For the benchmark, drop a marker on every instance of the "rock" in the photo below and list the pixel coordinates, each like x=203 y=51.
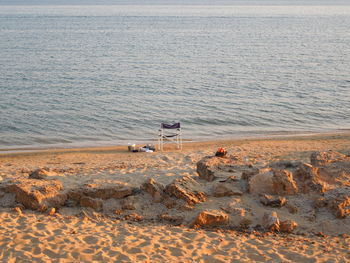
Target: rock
x=41 y=173
x=106 y=189
x=335 y=175
x=153 y=188
x=338 y=201
x=273 y=182
x=309 y=179
x=324 y=158
x=271 y=221
x=274 y=201
x=93 y=203
x=211 y=167
x=261 y=183
x=288 y=226
x=341 y=206
x=206 y=167
x=187 y=189
x=283 y=183
x=37 y=194
x=210 y=218
x=225 y=189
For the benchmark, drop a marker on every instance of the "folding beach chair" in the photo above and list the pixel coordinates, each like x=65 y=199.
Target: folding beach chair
x=170 y=132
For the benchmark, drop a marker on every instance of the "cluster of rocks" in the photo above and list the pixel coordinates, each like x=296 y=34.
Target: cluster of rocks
x=227 y=192
x=324 y=182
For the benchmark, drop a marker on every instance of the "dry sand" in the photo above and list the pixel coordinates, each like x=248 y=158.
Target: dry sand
x=70 y=236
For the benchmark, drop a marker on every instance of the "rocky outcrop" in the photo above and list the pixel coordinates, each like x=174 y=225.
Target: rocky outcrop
x=325 y=158
x=309 y=179
x=155 y=189
x=210 y=218
x=261 y=183
x=283 y=183
x=338 y=200
x=37 y=194
x=187 y=189
x=211 y=167
x=207 y=166
x=275 y=182
x=273 y=201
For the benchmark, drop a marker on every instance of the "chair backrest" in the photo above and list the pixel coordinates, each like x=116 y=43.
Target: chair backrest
x=170 y=126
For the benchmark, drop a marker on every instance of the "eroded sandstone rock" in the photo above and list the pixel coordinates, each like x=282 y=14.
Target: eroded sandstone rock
x=309 y=179
x=211 y=167
x=37 y=194
x=261 y=183
x=327 y=157
x=338 y=200
x=273 y=182
x=155 y=189
x=206 y=167
x=283 y=183
x=187 y=189
x=210 y=218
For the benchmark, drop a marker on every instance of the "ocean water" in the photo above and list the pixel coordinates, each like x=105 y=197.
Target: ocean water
x=110 y=74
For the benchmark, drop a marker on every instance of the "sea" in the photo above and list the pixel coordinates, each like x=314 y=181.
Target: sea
x=93 y=73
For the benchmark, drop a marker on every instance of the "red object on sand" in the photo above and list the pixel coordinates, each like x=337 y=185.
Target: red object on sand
x=221 y=152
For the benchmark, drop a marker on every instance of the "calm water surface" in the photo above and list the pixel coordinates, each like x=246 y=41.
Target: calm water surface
x=91 y=75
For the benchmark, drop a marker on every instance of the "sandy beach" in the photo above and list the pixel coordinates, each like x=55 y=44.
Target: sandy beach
x=130 y=229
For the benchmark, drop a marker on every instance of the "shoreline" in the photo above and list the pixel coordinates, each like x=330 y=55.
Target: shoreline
x=187 y=143
x=74 y=147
